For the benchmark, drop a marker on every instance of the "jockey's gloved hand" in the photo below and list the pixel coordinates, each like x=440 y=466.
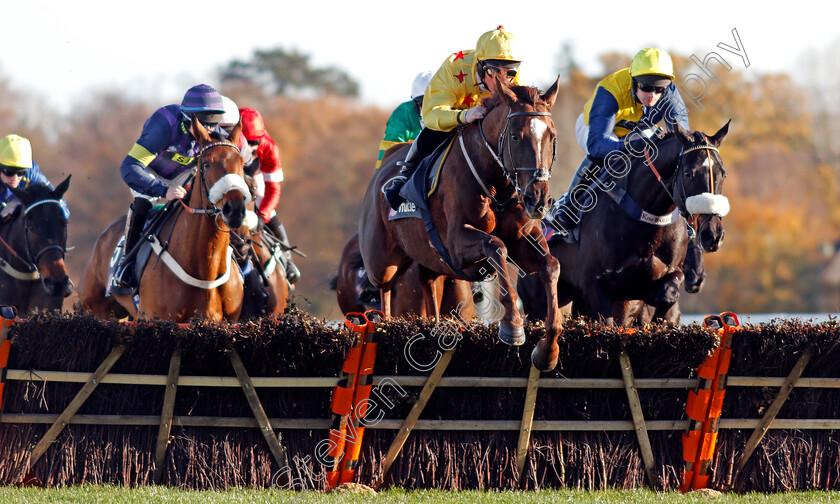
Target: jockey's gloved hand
x=634 y=144
x=475 y=113
x=175 y=192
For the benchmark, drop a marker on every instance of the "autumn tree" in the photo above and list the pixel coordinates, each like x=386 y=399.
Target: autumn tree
x=290 y=73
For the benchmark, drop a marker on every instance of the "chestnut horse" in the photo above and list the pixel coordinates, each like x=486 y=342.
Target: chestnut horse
x=196 y=240
x=485 y=195
x=34 y=240
x=407 y=293
x=621 y=266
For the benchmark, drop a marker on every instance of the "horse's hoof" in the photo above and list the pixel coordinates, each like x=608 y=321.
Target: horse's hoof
x=693 y=288
x=511 y=335
x=477 y=296
x=669 y=296
x=540 y=362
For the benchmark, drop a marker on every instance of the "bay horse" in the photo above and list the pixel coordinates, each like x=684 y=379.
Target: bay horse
x=266 y=255
x=196 y=239
x=485 y=195
x=620 y=264
x=407 y=294
x=33 y=275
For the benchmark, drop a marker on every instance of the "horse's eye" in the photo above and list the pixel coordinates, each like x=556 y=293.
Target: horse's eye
x=514 y=137
x=205 y=165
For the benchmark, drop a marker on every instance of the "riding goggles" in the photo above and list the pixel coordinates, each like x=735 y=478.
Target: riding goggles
x=11 y=171
x=510 y=73
x=651 y=89
x=208 y=125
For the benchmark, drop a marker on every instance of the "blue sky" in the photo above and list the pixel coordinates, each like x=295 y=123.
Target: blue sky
x=156 y=49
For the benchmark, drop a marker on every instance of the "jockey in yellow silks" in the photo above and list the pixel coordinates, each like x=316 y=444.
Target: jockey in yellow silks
x=643 y=93
x=453 y=97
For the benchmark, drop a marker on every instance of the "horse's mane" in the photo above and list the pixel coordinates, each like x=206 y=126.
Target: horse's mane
x=527 y=94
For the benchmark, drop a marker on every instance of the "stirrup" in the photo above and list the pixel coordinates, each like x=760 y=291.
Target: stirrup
x=395 y=178
x=292 y=272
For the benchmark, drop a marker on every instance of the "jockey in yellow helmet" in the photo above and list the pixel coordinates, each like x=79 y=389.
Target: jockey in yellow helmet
x=453 y=97
x=643 y=93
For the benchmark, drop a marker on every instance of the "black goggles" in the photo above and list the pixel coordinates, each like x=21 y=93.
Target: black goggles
x=510 y=73
x=208 y=125
x=651 y=89
x=11 y=171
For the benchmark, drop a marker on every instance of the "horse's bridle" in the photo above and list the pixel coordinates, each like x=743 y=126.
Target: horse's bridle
x=540 y=174
x=31 y=261
x=678 y=195
x=211 y=209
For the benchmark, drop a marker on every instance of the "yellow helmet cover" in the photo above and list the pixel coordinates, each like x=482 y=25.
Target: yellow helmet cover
x=651 y=61
x=16 y=152
x=498 y=44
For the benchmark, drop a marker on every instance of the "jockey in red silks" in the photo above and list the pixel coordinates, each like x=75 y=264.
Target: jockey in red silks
x=268 y=174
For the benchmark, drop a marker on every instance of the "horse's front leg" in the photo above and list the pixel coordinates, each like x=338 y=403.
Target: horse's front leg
x=472 y=243
x=667 y=295
x=532 y=255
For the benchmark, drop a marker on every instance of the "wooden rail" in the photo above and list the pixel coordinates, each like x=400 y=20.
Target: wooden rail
x=412 y=381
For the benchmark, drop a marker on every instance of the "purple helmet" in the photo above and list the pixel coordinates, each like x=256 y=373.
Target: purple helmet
x=204 y=102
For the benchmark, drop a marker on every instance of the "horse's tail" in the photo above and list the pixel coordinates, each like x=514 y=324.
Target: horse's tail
x=355 y=259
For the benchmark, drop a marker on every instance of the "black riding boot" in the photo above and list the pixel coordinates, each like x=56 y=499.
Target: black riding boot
x=391 y=189
x=564 y=213
x=279 y=231
x=134 y=221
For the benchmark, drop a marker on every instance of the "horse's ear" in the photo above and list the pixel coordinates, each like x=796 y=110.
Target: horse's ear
x=719 y=137
x=551 y=95
x=201 y=133
x=235 y=132
x=59 y=191
x=683 y=135
x=21 y=194
x=503 y=90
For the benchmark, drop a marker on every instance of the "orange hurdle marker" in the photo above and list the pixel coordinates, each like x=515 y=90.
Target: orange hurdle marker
x=341 y=404
x=361 y=394
x=705 y=403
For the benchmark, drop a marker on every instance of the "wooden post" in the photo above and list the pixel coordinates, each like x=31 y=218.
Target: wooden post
x=638 y=418
x=772 y=411
x=72 y=408
x=527 y=422
x=414 y=414
x=256 y=407
x=166 y=413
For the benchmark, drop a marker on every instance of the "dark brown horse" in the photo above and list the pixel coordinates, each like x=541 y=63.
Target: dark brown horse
x=197 y=241
x=620 y=264
x=269 y=257
x=494 y=180
x=407 y=294
x=34 y=240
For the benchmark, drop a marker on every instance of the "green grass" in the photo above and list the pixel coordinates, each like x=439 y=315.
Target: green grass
x=91 y=494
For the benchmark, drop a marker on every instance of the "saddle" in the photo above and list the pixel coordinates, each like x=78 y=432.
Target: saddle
x=424 y=181
x=158 y=216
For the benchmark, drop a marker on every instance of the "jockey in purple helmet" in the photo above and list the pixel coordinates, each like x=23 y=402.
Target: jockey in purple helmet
x=160 y=161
